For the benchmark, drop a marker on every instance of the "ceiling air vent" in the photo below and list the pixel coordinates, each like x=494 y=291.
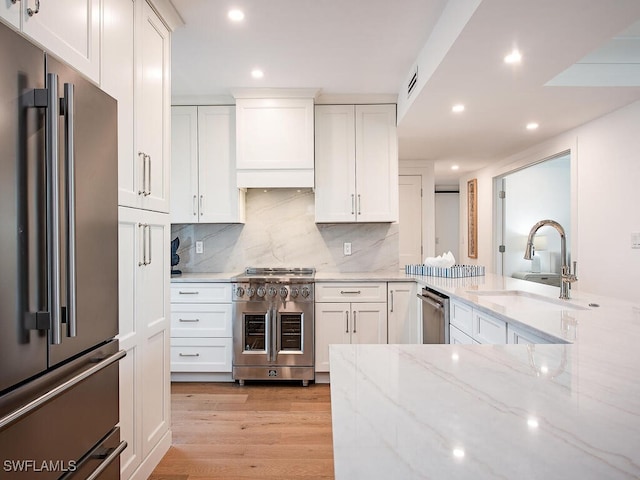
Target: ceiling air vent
x=413 y=82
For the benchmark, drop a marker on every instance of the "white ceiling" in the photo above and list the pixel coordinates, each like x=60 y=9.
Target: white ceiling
x=369 y=47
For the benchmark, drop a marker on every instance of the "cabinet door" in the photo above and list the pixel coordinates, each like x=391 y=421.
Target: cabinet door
x=488 y=329
x=402 y=316
x=376 y=163
x=10 y=12
x=458 y=337
x=369 y=323
x=520 y=336
x=332 y=326
x=68 y=28
x=152 y=110
x=130 y=340
x=153 y=316
x=335 y=163
x=118 y=80
x=219 y=198
x=184 y=165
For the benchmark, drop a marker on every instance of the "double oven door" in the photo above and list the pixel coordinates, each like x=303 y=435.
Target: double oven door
x=273 y=333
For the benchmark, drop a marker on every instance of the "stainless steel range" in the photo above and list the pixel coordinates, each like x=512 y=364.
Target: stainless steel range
x=273 y=310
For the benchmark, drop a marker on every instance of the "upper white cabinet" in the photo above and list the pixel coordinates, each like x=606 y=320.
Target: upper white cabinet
x=10 y=12
x=70 y=29
x=356 y=169
x=151 y=166
x=203 y=174
x=274 y=142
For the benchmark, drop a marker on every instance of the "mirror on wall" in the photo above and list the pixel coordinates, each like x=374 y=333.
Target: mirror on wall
x=536 y=192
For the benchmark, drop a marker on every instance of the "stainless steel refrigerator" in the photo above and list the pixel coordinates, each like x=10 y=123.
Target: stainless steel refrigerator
x=58 y=270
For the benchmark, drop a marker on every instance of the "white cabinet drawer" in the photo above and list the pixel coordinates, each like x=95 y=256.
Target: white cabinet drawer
x=519 y=336
x=201 y=354
x=461 y=315
x=200 y=292
x=487 y=329
x=351 y=292
x=458 y=337
x=201 y=320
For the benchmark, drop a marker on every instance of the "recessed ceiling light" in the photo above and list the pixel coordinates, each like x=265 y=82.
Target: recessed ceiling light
x=455 y=167
x=514 y=57
x=457 y=108
x=532 y=126
x=257 y=73
x=236 y=15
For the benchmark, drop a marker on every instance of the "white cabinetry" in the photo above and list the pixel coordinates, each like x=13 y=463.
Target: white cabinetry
x=517 y=335
x=402 y=315
x=203 y=174
x=356 y=163
x=144 y=334
x=457 y=336
x=201 y=326
x=474 y=324
x=274 y=142
x=10 y=12
x=70 y=29
x=151 y=170
x=348 y=313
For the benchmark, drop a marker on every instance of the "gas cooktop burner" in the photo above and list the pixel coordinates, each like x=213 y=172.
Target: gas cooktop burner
x=276 y=275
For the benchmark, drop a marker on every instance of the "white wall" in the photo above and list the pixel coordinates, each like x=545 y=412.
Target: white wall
x=448 y=223
x=605 y=176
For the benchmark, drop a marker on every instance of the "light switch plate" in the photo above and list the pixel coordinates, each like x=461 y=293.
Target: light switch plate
x=199 y=247
x=346 y=248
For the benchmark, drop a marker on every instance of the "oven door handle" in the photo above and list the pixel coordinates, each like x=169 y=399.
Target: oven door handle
x=273 y=336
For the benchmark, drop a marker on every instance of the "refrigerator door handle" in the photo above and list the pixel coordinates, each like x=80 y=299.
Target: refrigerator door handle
x=53 y=211
x=69 y=140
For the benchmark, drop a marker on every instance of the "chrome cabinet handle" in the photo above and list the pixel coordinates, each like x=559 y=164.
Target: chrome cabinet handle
x=69 y=140
x=350 y=292
x=146 y=239
x=195 y=197
x=189 y=320
x=31 y=12
x=354 y=321
x=391 y=309
x=359 y=205
x=150 y=244
x=187 y=293
x=53 y=206
x=143 y=156
x=353 y=204
x=189 y=354
x=201 y=198
x=347 y=323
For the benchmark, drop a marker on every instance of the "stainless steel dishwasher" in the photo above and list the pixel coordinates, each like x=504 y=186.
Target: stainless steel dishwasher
x=435 y=316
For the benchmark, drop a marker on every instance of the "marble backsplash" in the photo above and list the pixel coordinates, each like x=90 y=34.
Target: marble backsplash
x=280 y=232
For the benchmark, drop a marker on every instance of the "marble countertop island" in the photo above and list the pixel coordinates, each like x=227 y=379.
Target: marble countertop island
x=559 y=411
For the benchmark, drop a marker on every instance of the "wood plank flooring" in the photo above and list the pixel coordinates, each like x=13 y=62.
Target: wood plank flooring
x=258 y=431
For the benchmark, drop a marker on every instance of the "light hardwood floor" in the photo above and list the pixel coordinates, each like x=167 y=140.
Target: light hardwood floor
x=257 y=431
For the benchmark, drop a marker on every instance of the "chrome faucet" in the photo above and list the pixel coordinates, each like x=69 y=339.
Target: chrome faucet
x=568 y=277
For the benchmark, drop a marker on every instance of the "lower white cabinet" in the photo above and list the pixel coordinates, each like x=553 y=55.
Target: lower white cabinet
x=488 y=329
x=404 y=325
x=458 y=337
x=361 y=322
x=519 y=336
x=201 y=328
x=143 y=239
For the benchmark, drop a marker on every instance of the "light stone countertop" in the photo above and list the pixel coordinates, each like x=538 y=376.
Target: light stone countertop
x=203 y=277
x=496 y=411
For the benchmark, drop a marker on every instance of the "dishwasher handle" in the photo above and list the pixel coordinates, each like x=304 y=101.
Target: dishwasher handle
x=430 y=301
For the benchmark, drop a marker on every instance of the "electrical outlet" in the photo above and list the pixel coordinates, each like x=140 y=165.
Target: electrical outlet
x=199 y=247
x=346 y=248
x=635 y=240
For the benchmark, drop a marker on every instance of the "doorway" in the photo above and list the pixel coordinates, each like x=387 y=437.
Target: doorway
x=410 y=231
x=536 y=192
x=447 y=222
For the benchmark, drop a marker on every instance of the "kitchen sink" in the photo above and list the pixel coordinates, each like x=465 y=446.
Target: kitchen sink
x=522 y=299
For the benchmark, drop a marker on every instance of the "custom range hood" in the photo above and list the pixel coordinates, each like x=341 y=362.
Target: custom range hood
x=274 y=137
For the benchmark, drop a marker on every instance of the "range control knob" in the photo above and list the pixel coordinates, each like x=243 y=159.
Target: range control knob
x=261 y=291
x=294 y=292
x=306 y=292
x=251 y=291
x=283 y=292
x=272 y=291
x=239 y=292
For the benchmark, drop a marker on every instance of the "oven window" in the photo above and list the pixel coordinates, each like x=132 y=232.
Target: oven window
x=291 y=331
x=254 y=332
